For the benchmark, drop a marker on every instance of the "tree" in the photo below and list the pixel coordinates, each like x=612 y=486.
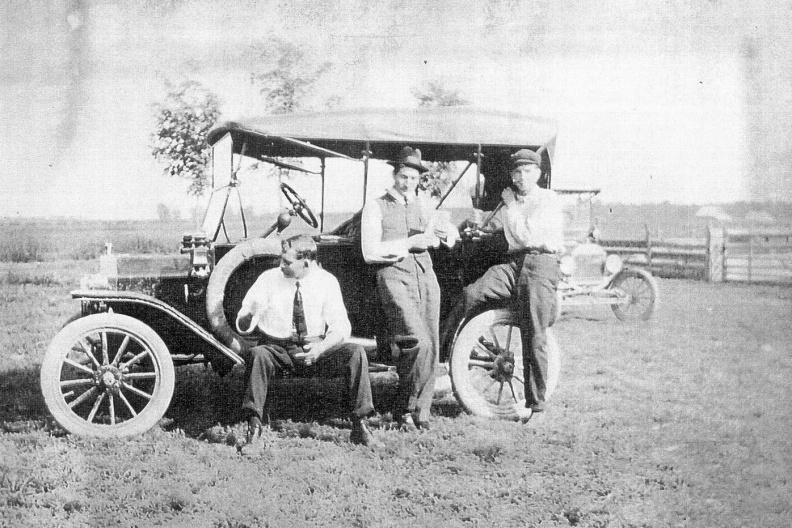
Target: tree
x=433 y=93
x=289 y=75
x=183 y=121
x=430 y=94
x=164 y=213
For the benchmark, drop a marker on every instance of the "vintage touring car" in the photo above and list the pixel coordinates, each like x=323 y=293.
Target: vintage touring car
x=110 y=370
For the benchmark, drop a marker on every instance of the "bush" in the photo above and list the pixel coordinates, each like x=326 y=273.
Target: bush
x=22 y=246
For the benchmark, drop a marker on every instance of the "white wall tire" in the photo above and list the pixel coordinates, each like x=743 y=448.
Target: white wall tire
x=107 y=375
x=472 y=369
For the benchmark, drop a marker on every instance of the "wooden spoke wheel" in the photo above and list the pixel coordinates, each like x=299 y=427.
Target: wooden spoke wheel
x=486 y=365
x=107 y=375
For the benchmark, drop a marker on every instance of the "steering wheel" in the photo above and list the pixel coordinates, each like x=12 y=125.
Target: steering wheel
x=300 y=207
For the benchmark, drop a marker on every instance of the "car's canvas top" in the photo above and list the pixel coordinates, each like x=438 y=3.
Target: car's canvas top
x=442 y=133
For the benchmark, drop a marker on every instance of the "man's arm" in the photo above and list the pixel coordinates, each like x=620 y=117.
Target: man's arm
x=545 y=231
x=377 y=251
x=335 y=316
x=250 y=313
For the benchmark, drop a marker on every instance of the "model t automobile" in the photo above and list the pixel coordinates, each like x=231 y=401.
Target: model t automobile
x=110 y=370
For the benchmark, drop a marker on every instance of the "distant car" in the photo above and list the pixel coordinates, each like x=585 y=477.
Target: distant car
x=592 y=277
x=110 y=370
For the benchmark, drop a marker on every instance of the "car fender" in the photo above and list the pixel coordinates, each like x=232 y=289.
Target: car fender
x=126 y=302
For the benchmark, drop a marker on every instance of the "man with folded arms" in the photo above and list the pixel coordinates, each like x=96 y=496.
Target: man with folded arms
x=297 y=313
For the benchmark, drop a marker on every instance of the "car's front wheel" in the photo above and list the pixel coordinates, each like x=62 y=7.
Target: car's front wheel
x=637 y=292
x=486 y=365
x=107 y=375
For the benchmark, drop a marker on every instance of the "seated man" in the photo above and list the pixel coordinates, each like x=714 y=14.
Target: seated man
x=299 y=317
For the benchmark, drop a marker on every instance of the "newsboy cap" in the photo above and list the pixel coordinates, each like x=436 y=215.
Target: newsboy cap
x=525 y=157
x=409 y=157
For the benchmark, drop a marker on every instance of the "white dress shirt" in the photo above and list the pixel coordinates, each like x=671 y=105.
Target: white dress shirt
x=377 y=251
x=534 y=221
x=271 y=302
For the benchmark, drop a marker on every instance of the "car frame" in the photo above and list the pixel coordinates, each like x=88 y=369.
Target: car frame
x=110 y=370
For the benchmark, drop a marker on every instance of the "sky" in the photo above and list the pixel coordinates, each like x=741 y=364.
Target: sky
x=686 y=102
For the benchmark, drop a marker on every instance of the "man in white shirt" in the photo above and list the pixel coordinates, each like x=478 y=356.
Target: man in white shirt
x=532 y=222
x=298 y=314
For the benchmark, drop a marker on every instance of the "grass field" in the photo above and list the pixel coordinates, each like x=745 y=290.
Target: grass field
x=683 y=421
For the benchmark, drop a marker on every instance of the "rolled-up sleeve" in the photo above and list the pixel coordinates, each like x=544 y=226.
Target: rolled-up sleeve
x=374 y=249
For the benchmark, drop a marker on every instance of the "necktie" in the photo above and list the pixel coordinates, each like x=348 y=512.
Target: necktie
x=298 y=315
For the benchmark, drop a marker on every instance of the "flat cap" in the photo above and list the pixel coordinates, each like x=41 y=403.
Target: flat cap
x=525 y=157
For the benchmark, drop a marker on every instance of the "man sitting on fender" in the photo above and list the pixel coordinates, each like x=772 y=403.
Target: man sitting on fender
x=532 y=222
x=299 y=315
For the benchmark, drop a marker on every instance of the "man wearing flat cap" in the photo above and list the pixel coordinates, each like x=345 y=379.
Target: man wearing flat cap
x=396 y=231
x=532 y=222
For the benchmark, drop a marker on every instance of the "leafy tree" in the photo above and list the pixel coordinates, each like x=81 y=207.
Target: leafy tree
x=288 y=77
x=433 y=93
x=430 y=94
x=183 y=121
x=164 y=213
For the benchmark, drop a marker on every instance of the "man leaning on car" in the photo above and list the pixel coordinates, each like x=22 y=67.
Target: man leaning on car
x=532 y=222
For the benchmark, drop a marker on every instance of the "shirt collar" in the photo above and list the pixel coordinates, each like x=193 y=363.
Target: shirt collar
x=401 y=198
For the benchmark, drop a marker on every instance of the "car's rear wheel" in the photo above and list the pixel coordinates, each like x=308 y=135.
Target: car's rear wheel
x=486 y=365
x=107 y=375
x=637 y=291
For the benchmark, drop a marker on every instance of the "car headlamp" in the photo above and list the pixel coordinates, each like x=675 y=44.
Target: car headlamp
x=613 y=264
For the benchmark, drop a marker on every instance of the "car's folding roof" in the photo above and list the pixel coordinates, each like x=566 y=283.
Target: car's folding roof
x=442 y=133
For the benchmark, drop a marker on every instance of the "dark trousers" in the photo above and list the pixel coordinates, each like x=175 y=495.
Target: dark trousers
x=410 y=297
x=530 y=281
x=347 y=361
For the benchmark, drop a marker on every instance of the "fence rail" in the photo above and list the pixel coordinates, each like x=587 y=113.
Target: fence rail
x=738 y=255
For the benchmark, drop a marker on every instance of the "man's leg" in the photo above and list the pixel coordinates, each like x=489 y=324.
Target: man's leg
x=497 y=284
x=426 y=360
x=349 y=361
x=536 y=300
x=261 y=364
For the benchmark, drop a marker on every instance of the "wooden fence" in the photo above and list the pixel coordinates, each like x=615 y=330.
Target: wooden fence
x=733 y=255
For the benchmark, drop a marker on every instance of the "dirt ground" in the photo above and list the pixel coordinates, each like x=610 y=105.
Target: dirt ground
x=681 y=421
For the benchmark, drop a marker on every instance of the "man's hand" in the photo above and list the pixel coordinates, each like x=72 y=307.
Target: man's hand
x=245 y=324
x=476 y=218
x=312 y=352
x=420 y=242
x=508 y=196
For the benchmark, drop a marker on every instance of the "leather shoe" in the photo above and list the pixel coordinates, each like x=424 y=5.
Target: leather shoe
x=406 y=423
x=360 y=432
x=524 y=414
x=424 y=425
x=254 y=442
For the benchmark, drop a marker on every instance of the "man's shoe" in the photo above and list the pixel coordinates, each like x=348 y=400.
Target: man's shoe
x=360 y=432
x=424 y=425
x=254 y=443
x=406 y=423
x=524 y=414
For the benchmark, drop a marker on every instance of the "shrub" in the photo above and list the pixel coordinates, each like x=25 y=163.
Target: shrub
x=22 y=246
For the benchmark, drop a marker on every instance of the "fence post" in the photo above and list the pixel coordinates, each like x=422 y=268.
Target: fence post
x=750 y=256
x=715 y=259
x=648 y=247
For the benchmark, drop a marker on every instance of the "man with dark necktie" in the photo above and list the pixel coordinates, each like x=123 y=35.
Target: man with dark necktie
x=298 y=314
